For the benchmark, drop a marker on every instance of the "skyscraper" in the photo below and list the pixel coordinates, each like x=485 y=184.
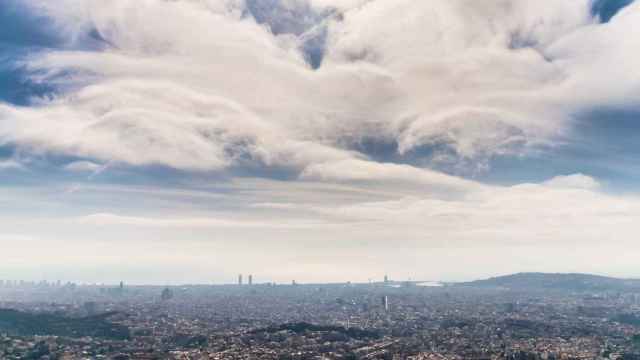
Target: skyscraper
x=240 y=279
x=386 y=278
x=385 y=303
x=250 y=279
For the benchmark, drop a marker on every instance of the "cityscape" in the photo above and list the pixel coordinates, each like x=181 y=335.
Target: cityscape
x=522 y=316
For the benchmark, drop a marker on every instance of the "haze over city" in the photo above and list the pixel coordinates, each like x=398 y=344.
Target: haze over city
x=187 y=141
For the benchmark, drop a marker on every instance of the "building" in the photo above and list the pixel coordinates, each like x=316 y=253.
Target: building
x=250 y=280
x=240 y=279
x=166 y=294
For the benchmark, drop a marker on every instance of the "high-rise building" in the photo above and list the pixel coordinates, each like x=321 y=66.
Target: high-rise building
x=385 y=303
x=166 y=294
x=250 y=279
x=240 y=279
x=386 y=278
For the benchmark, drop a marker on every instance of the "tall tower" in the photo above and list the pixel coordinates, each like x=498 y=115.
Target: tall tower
x=385 y=303
x=250 y=279
x=240 y=279
x=386 y=278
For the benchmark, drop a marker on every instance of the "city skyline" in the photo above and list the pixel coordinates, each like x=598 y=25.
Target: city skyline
x=318 y=140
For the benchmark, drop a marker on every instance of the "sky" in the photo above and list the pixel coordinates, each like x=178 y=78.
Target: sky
x=188 y=141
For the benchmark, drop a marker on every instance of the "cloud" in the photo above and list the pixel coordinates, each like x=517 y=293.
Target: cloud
x=391 y=176
x=469 y=82
x=576 y=181
x=498 y=228
x=320 y=125
x=107 y=219
x=10 y=165
x=82 y=166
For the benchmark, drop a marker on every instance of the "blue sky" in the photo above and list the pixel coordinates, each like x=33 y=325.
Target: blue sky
x=322 y=140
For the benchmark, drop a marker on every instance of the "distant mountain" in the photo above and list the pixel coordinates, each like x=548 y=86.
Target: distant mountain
x=570 y=282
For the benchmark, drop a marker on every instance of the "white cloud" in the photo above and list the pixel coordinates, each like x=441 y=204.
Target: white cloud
x=390 y=176
x=308 y=228
x=470 y=80
x=197 y=86
x=10 y=165
x=577 y=181
x=107 y=219
x=83 y=166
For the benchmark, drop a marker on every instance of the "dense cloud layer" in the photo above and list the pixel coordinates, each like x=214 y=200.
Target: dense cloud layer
x=395 y=102
x=203 y=85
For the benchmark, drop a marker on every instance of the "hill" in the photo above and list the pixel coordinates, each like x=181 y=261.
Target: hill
x=27 y=324
x=546 y=281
